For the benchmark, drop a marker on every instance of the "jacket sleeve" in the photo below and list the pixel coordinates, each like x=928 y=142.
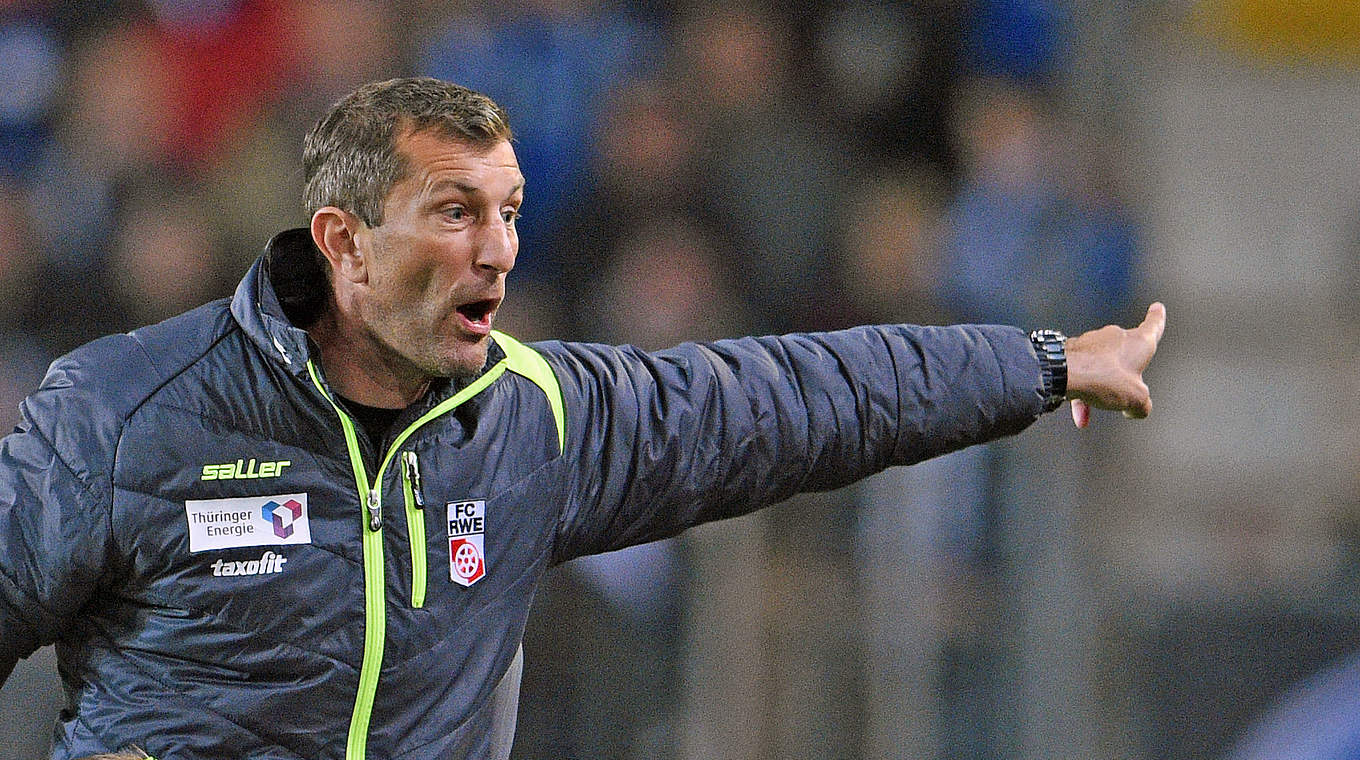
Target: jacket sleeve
x=54 y=532
x=668 y=440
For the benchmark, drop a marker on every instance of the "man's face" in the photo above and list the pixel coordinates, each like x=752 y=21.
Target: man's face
x=436 y=265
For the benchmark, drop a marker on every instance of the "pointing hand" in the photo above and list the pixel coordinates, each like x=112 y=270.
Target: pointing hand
x=1105 y=367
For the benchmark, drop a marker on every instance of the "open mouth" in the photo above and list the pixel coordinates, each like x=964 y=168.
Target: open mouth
x=477 y=314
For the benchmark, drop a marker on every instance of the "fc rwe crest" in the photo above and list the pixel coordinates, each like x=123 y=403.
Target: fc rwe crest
x=467 y=545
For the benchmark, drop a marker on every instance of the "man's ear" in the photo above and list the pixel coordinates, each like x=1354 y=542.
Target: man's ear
x=334 y=231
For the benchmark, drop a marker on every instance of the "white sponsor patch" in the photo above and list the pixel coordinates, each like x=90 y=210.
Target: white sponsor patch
x=247 y=521
x=467 y=531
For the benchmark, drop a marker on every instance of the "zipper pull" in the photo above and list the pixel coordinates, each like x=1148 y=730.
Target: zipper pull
x=374 y=511
x=411 y=467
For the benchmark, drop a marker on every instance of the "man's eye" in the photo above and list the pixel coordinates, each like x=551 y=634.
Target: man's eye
x=510 y=215
x=456 y=213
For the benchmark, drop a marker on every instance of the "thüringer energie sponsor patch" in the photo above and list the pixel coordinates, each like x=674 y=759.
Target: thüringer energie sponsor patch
x=249 y=521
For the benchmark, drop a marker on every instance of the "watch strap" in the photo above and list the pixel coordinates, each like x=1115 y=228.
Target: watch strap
x=1050 y=346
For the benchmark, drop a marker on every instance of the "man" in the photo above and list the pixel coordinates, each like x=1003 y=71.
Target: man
x=308 y=522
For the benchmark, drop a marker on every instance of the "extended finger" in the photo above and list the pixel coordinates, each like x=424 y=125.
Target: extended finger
x=1155 y=321
x=1081 y=413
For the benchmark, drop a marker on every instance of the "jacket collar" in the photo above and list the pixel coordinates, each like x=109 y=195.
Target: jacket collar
x=287 y=273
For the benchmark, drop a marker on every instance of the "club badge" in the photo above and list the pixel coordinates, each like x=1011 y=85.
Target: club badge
x=467 y=529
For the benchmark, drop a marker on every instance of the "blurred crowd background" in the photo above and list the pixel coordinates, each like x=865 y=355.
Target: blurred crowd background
x=1183 y=587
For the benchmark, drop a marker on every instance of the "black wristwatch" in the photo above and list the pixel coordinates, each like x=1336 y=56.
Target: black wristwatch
x=1051 y=348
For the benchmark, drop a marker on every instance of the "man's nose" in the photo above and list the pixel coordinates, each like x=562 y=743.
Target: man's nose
x=497 y=246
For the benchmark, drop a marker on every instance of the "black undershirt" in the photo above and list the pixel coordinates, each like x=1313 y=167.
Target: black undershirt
x=376 y=421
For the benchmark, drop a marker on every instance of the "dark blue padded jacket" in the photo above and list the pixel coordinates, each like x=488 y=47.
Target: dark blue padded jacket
x=231 y=572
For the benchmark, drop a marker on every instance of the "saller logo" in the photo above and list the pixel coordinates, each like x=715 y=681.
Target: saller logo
x=269 y=562
x=244 y=470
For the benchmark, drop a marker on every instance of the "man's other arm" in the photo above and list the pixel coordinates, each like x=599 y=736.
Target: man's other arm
x=54 y=532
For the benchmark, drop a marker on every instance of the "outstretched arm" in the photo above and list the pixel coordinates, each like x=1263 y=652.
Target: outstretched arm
x=702 y=432
x=1105 y=367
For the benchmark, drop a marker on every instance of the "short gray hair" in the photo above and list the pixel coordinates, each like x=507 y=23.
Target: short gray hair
x=350 y=158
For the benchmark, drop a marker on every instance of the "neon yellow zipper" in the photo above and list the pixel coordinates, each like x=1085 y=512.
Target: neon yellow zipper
x=375 y=593
x=415 y=523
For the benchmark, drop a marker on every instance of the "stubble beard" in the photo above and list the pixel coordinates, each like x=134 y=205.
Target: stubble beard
x=464 y=361
x=461 y=370
x=424 y=357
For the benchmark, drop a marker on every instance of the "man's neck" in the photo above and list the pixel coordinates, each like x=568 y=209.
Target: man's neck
x=362 y=370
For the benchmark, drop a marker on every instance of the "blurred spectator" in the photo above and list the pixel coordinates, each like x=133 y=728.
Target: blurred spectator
x=114 y=125
x=921 y=531
x=321 y=74
x=19 y=268
x=30 y=57
x=1023 y=40
x=884 y=76
x=1313 y=720
x=920 y=537
x=774 y=178
x=1026 y=244
x=23 y=357
x=255 y=186
x=643 y=168
x=641 y=267
x=1026 y=241
x=644 y=155
x=890 y=253
x=549 y=63
x=660 y=286
x=166 y=257
x=223 y=60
